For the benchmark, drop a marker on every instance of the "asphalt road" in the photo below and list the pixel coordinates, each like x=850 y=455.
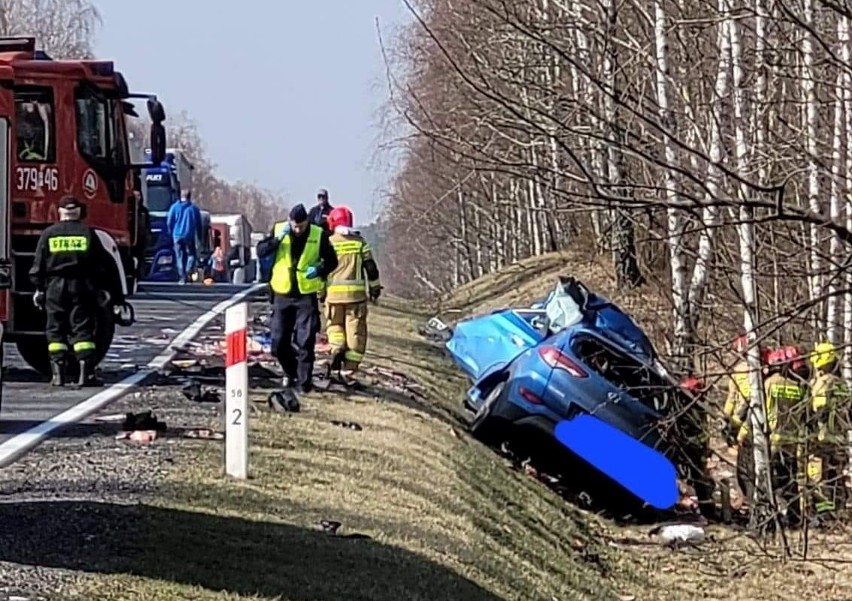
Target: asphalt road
x=162 y=312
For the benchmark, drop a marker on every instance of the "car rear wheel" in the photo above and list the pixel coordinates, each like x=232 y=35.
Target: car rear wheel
x=484 y=426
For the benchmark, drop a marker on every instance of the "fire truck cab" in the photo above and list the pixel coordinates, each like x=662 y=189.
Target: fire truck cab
x=64 y=130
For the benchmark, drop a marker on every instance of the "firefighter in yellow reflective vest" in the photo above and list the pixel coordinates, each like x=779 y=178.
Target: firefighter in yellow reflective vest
x=785 y=405
x=71 y=282
x=303 y=259
x=828 y=424
x=349 y=286
x=739 y=389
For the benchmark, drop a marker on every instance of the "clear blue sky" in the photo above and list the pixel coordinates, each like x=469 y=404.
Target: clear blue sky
x=286 y=94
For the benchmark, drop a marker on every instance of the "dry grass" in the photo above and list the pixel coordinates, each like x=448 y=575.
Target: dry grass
x=448 y=520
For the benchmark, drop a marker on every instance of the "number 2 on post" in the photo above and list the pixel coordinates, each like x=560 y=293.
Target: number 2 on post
x=237 y=417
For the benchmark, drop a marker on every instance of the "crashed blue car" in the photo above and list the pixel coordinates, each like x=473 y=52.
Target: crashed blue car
x=576 y=352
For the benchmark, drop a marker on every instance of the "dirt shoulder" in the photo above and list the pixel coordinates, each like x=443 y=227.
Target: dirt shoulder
x=425 y=512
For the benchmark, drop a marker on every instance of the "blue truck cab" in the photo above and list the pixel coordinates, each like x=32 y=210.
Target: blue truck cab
x=162 y=186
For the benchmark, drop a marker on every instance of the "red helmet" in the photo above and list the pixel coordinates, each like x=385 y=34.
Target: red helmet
x=339 y=216
x=783 y=355
x=692 y=384
x=740 y=344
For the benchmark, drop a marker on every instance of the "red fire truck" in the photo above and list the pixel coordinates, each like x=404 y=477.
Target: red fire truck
x=64 y=130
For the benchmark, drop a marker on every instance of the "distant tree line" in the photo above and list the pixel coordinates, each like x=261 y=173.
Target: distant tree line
x=66 y=29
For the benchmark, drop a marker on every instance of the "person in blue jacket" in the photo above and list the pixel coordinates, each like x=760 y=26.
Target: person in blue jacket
x=184 y=225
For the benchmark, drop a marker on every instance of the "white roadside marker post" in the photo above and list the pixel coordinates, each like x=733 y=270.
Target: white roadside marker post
x=236 y=391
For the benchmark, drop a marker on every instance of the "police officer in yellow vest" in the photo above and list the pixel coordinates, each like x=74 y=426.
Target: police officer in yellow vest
x=71 y=283
x=349 y=286
x=830 y=405
x=303 y=259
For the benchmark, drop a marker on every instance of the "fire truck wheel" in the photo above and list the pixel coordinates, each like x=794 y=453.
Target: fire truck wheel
x=34 y=350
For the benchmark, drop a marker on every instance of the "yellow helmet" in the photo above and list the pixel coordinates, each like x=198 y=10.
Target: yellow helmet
x=824 y=354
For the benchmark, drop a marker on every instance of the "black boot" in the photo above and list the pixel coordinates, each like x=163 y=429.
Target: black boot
x=57 y=372
x=87 y=375
x=336 y=364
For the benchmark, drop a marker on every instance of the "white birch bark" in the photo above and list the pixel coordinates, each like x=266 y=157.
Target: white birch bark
x=810 y=108
x=710 y=214
x=846 y=56
x=675 y=222
x=763 y=479
x=832 y=325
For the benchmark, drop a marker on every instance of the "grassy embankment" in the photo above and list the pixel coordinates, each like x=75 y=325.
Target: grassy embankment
x=447 y=519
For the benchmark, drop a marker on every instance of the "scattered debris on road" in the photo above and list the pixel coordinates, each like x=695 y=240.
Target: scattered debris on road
x=114 y=418
x=145 y=420
x=141 y=436
x=193 y=391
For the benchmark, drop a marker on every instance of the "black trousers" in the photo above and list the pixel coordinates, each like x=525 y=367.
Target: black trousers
x=71 y=307
x=295 y=323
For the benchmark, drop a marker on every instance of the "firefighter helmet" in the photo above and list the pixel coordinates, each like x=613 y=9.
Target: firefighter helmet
x=784 y=355
x=824 y=354
x=339 y=216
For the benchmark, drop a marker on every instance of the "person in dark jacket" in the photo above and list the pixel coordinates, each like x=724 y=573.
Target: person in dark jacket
x=303 y=258
x=319 y=212
x=70 y=278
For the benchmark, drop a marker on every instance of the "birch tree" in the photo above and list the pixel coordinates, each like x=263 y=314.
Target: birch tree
x=62 y=28
x=809 y=96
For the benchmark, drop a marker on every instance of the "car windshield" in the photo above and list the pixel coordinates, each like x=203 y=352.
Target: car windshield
x=159 y=198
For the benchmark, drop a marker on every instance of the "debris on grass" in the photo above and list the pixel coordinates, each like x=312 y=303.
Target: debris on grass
x=676 y=535
x=204 y=434
x=284 y=401
x=333 y=527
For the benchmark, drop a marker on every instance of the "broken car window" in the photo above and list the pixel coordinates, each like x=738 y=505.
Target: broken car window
x=626 y=372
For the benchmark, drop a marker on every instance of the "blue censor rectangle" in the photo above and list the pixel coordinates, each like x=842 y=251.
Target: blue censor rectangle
x=643 y=471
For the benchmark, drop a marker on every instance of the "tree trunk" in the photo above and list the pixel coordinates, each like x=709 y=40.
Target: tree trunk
x=763 y=500
x=683 y=334
x=811 y=123
x=710 y=214
x=832 y=321
x=627 y=273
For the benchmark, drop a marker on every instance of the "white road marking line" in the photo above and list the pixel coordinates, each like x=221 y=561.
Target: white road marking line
x=19 y=444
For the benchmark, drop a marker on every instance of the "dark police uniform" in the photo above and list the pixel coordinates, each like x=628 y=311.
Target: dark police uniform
x=295 y=317
x=318 y=215
x=68 y=273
